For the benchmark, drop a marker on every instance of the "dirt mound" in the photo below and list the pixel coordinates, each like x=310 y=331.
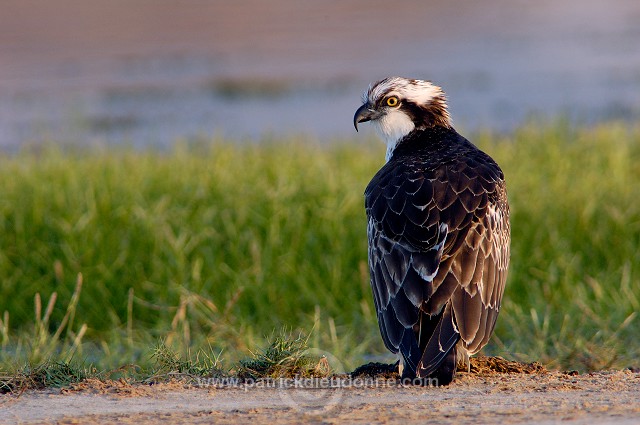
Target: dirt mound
x=481 y=366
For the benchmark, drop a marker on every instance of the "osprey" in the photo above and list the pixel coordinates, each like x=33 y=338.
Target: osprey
x=438 y=229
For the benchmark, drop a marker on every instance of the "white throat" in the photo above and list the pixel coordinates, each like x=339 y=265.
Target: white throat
x=392 y=127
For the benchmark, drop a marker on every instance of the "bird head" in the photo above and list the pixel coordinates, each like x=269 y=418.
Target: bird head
x=396 y=106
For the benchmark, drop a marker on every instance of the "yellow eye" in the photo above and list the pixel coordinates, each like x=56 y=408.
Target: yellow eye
x=392 y=101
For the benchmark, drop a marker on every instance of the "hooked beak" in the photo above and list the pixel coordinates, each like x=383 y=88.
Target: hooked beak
x=364 y=113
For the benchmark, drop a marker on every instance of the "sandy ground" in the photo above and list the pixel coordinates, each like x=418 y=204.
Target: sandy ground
x=533 y=396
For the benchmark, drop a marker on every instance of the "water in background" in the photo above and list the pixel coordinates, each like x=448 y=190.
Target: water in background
x=150 y=72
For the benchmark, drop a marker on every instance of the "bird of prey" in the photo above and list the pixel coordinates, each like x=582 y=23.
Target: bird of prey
x=438 y=230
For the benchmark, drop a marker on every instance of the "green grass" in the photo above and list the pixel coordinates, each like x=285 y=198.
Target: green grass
x=44 y=375
x=212 y=246
x=287 y=356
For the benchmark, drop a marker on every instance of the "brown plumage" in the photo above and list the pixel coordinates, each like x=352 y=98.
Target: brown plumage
x=439 y=234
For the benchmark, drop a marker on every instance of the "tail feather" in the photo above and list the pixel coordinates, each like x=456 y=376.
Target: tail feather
x=410 y=354
x=439 y=355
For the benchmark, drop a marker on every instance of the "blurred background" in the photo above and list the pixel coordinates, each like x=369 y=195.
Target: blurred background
x=254 y=237
x=150 y=72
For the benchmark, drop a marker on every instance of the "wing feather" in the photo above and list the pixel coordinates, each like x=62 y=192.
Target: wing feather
x=486 y=249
